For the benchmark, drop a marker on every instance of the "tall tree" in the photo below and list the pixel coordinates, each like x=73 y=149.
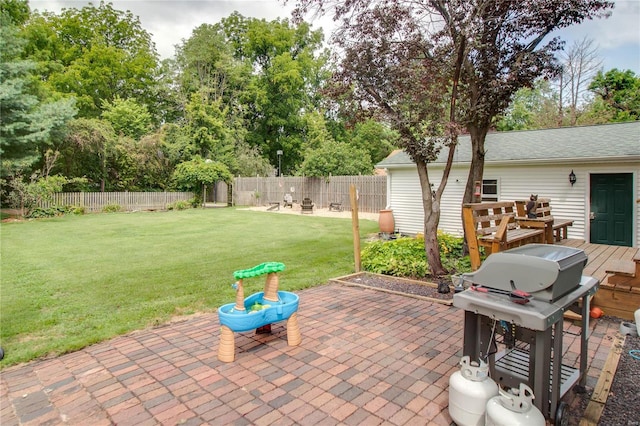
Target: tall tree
x=206 y=62
x=28 y=123
x=205 y=126
x=265 y=73
x=579 y=63
x=289 y=72
x=506 y=52
x=398 y=76
x=95 y=53
x=397 y=52
x=88 y=150
x=620 y=93
x=531 y=108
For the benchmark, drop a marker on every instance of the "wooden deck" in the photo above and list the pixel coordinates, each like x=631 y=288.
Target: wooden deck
x=614 y=300
x=599 y=255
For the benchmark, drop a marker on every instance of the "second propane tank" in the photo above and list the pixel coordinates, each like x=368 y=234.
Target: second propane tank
x=514 y=408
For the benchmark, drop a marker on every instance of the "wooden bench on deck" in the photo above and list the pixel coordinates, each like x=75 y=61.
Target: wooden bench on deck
x=492 y=225
x=543 y=212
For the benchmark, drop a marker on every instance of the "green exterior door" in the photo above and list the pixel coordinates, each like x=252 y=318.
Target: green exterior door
x=611 y=214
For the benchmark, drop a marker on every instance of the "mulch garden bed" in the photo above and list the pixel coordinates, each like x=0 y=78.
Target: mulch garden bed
x=421 y=289
x=621 y=408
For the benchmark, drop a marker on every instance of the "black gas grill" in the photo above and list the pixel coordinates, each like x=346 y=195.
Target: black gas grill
x=514 y=306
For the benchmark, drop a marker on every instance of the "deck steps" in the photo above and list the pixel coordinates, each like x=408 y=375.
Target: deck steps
x=619 y=294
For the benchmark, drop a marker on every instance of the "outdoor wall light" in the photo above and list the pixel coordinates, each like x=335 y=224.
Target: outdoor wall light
x=572 y=178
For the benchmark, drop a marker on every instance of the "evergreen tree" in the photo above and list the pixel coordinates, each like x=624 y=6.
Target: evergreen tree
x=27 y=124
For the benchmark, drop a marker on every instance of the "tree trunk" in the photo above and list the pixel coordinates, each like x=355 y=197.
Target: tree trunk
x=431 y=208
x=476 y=171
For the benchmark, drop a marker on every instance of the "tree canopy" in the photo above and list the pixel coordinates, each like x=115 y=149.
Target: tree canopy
x=29 y=122
x=87 y=84
x=437 y=68
x=619 y=91
x=96 y=53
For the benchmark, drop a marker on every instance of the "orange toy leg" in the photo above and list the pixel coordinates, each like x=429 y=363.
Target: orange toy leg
x=227 y=346
x=293 y=330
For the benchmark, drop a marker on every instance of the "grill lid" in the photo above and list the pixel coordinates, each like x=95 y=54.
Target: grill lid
x=546 y=271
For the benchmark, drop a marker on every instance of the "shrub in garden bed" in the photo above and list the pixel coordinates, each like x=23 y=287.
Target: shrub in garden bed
x=112 y=208
x=405 y=256
x=41 y=212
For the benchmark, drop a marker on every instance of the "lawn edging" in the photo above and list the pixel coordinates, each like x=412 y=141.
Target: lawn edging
x=346 y=280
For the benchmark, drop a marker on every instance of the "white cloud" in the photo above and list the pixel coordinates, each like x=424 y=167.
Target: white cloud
x=621 y=28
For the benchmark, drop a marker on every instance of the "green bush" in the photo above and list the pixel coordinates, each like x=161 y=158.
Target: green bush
x=40 y=212
x=180 y=205
x=452 y=253
x=112 y=208
x=79 y=210
x=405 y=257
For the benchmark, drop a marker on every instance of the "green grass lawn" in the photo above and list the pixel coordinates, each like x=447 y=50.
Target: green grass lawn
x=72 y=281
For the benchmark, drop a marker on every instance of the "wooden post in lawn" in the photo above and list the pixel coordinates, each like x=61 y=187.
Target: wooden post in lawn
x=355 y=224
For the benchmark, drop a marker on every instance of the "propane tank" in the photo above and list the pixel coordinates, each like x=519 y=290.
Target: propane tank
x=514 y=408
x=469 y=390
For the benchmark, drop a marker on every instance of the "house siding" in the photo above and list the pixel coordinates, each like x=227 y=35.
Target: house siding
x=514 y=182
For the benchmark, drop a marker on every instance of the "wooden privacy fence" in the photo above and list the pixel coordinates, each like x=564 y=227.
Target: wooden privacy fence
x=129 y=201
x=245 y=191
x=260 y=191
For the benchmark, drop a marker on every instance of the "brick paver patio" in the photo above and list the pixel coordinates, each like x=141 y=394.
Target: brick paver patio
x=366 y=358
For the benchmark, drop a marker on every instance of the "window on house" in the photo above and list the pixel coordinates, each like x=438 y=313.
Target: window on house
x=490 y=190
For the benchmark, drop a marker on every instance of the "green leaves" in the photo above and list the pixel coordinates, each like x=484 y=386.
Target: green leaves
x=191 y=175
x=336 y=158
x=28 y=123
x=127 y=117
x=102 y=52
x=405 y=257
x=620 y=91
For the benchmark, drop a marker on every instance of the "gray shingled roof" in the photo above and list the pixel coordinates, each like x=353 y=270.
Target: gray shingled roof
x=588 y=143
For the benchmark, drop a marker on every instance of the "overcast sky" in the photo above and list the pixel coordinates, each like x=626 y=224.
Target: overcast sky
x=171 y=21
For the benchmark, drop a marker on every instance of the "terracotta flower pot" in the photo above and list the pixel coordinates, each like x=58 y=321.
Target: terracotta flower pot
x=385 y=221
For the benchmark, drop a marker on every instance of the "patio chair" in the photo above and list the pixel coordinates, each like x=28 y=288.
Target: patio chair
x=288 y=200
x=307 y=205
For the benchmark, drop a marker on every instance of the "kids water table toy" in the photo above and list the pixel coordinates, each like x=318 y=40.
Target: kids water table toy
x=258 y=310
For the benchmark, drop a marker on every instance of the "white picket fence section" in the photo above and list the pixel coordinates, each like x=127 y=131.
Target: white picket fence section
x=245 y=191
x=129 y=201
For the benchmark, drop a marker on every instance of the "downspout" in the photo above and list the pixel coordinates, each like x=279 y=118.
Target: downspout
x=388 y=205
